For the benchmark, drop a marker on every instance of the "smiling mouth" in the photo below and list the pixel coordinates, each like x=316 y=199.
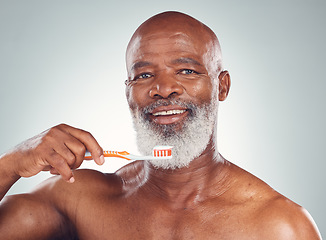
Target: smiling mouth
x=168 y=112
x=165 y=116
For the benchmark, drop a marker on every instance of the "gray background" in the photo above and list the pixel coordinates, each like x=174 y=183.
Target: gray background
x=63 y=61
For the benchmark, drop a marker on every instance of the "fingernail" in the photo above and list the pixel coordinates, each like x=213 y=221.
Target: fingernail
x=102 y=160
x=72 y=179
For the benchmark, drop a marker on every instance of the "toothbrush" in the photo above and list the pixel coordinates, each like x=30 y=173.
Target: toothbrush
x=159 y=152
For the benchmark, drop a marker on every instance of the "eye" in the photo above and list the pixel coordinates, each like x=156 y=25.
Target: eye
x=187 y=71
x=144 y=76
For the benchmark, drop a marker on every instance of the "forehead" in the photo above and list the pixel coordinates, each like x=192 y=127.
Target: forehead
x=161 y=45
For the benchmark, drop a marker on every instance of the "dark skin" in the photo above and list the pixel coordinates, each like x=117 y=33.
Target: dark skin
x=211 y=199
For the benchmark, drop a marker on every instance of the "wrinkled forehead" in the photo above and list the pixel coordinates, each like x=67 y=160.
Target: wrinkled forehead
x=140 y=45
x=178 y=32
x=194 y=43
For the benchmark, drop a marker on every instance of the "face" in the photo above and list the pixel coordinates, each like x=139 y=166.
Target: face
x=172 y=93
x=169 y=65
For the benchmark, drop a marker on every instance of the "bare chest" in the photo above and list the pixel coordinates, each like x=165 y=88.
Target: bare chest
x=139 y=221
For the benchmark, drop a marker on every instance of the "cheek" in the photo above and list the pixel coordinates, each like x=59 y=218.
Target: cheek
x=130 y=98
x=201 y=92
x=135 y=97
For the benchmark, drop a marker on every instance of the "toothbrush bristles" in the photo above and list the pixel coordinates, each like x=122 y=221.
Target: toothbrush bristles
x=162 y=152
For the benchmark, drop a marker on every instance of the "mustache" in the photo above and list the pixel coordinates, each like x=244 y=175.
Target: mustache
x=190 y=106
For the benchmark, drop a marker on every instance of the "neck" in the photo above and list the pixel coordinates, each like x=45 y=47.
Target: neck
x=204 y=178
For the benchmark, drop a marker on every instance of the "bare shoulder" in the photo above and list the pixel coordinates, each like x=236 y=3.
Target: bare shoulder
x=284 y=219
x=88 y=182
x=274 y=215
x=21 y=214
x=51 y=207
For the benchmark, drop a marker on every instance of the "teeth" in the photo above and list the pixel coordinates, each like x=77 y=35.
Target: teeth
x=170 y=112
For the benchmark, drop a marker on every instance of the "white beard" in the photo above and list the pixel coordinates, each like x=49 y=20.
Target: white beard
x=188 y=143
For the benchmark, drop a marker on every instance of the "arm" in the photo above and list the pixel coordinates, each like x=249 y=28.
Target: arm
x=7 y=175
x=58 y=150
x=26 y=216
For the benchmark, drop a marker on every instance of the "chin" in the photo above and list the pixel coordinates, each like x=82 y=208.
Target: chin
x=189 y=138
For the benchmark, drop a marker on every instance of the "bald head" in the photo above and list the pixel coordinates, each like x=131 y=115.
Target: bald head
x=173 y=24
x=175 y=21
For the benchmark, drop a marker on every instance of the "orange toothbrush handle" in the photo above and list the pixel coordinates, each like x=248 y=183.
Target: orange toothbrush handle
x=123 y=155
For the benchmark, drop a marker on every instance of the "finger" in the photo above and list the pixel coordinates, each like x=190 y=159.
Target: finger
x=65 y=152
x=78 y=149
x=88 y=140
x=61 y=166
x=70 y=148
x=56 y=138
x=53 y=171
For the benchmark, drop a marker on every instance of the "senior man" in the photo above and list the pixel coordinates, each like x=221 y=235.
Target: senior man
x=175 y=81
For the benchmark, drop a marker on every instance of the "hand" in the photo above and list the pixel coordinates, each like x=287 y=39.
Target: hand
x=58 y=150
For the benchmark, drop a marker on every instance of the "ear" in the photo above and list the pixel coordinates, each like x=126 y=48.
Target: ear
x=224 y=85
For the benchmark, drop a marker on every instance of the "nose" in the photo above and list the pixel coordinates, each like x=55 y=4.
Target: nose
x=165 y=86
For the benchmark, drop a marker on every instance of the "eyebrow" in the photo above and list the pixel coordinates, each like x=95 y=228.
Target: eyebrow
x=140 y=64
x=186 y=60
